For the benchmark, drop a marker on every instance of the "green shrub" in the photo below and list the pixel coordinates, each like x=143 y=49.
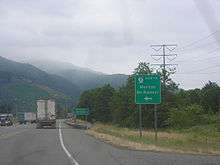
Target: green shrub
x=185 y=117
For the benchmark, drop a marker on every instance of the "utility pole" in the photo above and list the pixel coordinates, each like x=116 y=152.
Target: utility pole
x=166 y=53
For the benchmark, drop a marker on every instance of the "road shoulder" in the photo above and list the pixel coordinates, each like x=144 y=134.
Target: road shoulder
x=123 y=142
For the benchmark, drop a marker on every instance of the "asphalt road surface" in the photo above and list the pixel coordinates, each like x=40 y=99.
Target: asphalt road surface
x=25 y=145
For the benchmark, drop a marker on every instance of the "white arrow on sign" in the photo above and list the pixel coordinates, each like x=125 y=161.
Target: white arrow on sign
x=147 y=98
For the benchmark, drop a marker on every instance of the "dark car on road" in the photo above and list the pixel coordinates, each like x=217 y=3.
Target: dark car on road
x=5 y=120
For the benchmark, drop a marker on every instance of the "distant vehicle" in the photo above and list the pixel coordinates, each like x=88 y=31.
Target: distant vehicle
x=46 y=114
x=30 y=117
x=6 y=119
x=24 y=117
x=69 y=115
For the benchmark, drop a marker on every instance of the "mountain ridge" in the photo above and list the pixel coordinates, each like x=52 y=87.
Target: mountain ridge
x=34 y=74
x=23 y=84
x=85 y=78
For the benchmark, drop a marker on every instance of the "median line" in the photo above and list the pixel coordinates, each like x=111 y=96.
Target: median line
x=64 y=148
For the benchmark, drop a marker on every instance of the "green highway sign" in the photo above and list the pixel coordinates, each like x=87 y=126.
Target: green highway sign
x=147 y=89
x=81 y=111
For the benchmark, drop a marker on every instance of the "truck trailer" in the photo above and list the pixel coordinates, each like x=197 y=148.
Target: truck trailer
x=46 y=114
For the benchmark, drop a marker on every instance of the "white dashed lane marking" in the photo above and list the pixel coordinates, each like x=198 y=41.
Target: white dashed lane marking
x=64 y=148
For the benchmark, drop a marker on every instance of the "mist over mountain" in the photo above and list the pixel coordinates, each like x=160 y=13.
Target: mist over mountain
x=21 y=84
x=52 y=66
x=24 y=83
x=83 y=77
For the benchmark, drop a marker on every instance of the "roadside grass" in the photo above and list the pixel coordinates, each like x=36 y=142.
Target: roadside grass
x=196 y=140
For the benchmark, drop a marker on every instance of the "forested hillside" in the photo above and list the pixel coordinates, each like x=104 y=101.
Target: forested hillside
x=21 y=84
x=179 y=109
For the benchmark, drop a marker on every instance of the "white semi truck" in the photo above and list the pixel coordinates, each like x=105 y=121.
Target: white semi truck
x=46 y=113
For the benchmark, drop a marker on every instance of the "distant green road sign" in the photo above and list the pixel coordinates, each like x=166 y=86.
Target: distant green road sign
x=81 y=111
x=147 y=89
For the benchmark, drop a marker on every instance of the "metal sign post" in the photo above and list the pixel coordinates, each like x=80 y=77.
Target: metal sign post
x=148 y=91
x=86 y=122
x=140 y=120
x=155 y=121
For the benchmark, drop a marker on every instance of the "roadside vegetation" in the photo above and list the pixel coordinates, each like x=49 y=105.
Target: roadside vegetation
x=184 y=141
x=189 y=118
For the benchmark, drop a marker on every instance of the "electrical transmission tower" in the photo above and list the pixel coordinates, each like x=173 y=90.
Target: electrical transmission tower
x=164 y=52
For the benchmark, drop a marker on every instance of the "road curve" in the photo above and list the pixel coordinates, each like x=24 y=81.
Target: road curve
x=25 y=145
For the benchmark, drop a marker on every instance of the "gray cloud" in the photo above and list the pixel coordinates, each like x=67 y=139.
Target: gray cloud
x=111 y=36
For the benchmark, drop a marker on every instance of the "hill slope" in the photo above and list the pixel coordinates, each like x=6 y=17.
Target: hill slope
x=83 y=77
x=28 y=73
x=23 y=83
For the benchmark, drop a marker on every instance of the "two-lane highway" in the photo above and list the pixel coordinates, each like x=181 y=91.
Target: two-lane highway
x=25 y=145
x=30 y=146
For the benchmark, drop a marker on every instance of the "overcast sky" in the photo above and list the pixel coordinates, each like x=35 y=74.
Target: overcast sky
x=112 y=36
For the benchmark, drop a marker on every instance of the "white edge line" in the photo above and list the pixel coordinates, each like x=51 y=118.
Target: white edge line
x=64 y=148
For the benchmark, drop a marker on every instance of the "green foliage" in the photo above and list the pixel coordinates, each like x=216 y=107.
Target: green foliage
x=22 y=84
x=179 y=109
x=192 y=96
x=119 y=106
x=97 y=101
x=210 y=99
x=198 y=139
x=170 y=85
x=124 y=111
x=14 y=72
x=143 y=68
x=22 y=97
x=185 y=117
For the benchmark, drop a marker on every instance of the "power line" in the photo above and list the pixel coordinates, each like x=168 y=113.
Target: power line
x=198 y=72
x=204 y=73
x=204 y=59
x=210 y=67
x=199 y=40
x=210 y=52
x=198 y=47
